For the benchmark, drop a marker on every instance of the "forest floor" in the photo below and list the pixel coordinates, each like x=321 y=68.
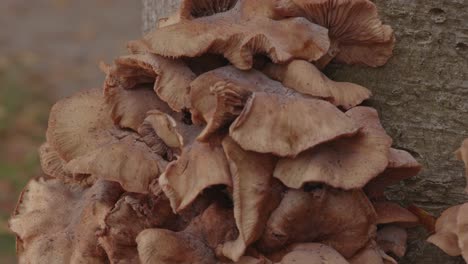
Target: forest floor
x=48 y=49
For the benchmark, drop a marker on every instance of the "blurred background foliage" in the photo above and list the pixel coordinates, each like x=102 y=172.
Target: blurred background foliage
x=48 y=49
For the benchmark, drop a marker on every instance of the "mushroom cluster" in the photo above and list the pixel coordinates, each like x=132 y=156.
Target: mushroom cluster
x=217 y=139
x=451 y=229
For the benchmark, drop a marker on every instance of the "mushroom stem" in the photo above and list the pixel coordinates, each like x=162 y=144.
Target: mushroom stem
x=329 y=56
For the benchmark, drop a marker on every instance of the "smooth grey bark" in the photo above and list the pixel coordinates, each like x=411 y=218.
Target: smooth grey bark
x=422 y=98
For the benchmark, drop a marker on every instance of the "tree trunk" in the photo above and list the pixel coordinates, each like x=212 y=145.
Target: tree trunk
x=421 y=95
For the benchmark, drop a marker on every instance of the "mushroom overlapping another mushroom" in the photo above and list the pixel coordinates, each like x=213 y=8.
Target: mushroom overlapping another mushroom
x=257 y=157
x=451 y=228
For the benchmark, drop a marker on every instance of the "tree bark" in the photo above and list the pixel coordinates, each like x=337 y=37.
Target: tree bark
x=422 y=98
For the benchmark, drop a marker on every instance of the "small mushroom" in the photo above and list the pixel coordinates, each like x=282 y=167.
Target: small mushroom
x=239 y=34
x=200 y=166
x=254 y=195
x=57 y=223
x=446 y=232
x=128 y=108
x=346 y=163
x=51 y=162
x=356 y=33
x=344 y=220
x=392 y=213
x=165 y=128
x=196 y=244
x=392 y=239
x=462 y=229
x=401 y=166
x=132 y=214
x=79 y=124
x=272 y=123
x=305 y=78
x=371 y=254
x=217 y=97
x=127 y=161
x=462 y=154
x=171 y=78
x=308 y=253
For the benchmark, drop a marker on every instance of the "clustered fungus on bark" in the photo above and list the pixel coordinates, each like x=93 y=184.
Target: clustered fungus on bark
x=219 y=140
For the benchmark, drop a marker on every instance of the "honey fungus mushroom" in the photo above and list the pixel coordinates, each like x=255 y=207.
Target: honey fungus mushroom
x=295 y=220
x=346 y=163
x=305 y=78
x=56 y=222
x=240 y=33
x=451 y=228
x=357 y=36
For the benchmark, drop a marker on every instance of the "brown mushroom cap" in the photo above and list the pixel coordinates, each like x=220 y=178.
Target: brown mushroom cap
x=167 y=247
x=51 y=162
x=239 y=35
x=346 y=222
x=200 y=166
x=462 y=229
x=57 y=223
x=79 y=124
x=446 y=235
x=392 y=213
x=305 y=78
x=171 y=78
x=132 y=214
x=392 y=239
x=401 y=166
x=217 y=97
x=371 y=254
x=165 y=128
x=462 y=154
x=127 y=161
x=356 y=32
x=254 y=195
x=195 y=244
x=308 y=253
x=345 y=163
x=273 y=123
x=128 y=108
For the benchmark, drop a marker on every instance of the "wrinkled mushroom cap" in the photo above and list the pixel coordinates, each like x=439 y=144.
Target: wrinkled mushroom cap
x=239 y=34
x=305 y=78
x=79 y=124
x=200 y=166
x=171 y=78
x=295 y=220
x=401 y=165
x=445 y=236
x=214 y=93
x=56 y=222
x=273 y=123
x=345 y=163
x=127 y=161
x=254 y=195
x=130 y=215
